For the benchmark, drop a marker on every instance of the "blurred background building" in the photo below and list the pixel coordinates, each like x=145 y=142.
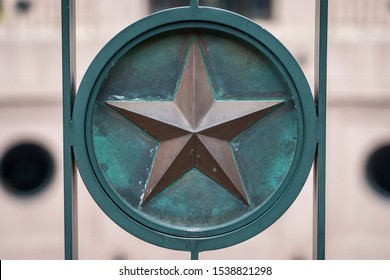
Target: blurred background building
x=358 y=162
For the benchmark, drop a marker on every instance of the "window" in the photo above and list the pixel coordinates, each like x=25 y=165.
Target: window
x=22 y=6
x=249 y=8
x=26 y=168
x=377 y=170
x=158 y=5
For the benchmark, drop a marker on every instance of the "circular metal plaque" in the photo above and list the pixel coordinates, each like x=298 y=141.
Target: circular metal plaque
x=195 y=129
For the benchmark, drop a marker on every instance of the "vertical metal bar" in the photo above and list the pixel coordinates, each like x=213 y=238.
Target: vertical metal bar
x=194 y=3
x=320 y=98
x=194 y=255
x=68 y=95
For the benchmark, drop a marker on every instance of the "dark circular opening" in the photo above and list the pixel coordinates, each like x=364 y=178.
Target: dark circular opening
x=378 y=170
x=23 y=6
x=26 y=169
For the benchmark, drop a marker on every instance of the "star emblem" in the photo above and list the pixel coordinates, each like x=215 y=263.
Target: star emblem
x=194 y=130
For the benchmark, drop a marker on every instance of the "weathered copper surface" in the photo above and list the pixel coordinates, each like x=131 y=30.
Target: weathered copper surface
x=194 y=130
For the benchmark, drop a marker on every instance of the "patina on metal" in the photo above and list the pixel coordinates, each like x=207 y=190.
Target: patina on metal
x=177 y=138
x=194 y=130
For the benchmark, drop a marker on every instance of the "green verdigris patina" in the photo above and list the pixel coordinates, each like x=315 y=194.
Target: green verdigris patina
x=151 y=71
x=238 y=137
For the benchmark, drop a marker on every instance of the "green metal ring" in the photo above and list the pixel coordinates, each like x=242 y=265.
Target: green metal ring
x=215 y=19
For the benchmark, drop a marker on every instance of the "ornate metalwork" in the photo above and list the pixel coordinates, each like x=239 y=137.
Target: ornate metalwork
x=194 y=130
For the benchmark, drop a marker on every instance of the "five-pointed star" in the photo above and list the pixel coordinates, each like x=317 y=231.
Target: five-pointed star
x=194 y=130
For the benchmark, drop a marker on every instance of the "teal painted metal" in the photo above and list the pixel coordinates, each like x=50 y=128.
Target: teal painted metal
x=194 y=3
x=320 y=161
x=131 y=78
x=69 y=93
x=191 y=18
x=194 y=255
x=95 y=176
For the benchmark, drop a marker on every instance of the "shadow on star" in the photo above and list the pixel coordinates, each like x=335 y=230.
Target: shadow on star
x=194 y=130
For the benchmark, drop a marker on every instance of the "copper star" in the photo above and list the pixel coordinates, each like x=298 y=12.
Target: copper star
x=194 y=130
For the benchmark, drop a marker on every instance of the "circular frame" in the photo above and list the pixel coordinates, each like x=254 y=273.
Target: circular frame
x=206 y=18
